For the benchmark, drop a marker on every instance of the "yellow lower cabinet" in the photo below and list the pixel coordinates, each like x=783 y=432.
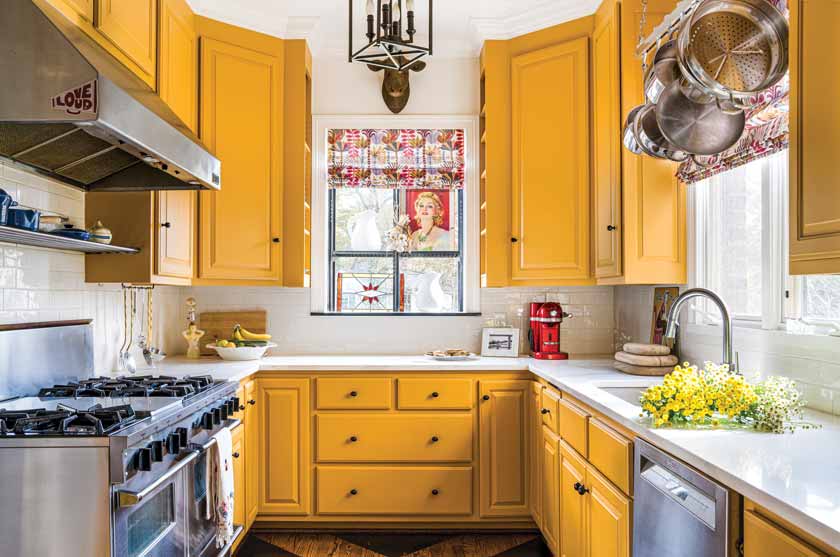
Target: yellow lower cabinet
x=434 y=394
x=239 y=493
x=536 y=440
x=503 y=428
x=394 y=438
x=250 y=417
x=608 y=518
x=550 y=489
x=383 y=490
x=763 y=538
x=611 y=453
x=573 y=532
x=353 y=393
x=284 y=442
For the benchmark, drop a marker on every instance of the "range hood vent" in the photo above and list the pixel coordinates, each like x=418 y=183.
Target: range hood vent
x=66 y=116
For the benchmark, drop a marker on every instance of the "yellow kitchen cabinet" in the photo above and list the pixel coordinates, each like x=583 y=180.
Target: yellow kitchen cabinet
x=241 y=122
x=573 y=503
x=536 y=448
x=763 y=538
x=161 y=224
x=611 y=453
x=251 y=419
x=608 y=518
x=131 y=26
x=652 y=222
x=178 y=61
x=550 y=503
x=284 y=445
x=550 y=239
x=239 y=471
x=297 y=187
x=503 y=427
x=814 y=138
x=606 y=140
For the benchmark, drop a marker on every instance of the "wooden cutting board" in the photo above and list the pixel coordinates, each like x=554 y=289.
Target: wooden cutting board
x=219 y=324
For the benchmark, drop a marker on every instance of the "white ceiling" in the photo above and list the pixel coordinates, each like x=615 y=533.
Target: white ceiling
x=460 y=26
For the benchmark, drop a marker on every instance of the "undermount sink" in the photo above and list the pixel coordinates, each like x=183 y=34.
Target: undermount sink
x=628 y=391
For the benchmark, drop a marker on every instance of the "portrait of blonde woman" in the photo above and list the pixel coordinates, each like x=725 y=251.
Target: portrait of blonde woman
x=429 y=217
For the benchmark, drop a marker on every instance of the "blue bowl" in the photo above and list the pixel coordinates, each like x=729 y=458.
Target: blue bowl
x=6 y=201
x=70 y=232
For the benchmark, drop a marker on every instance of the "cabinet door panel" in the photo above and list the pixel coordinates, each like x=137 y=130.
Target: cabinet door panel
x=284 y=446
x=175 y=228
x=606 y=131
x=762 y=538
x=551 y=163
x=536 y=437
x=573 y=527
x=131 y=26
x=814 y=138
x=550 y=503
x=178 y=69
x=240 y=122
x=238 y=448
x=609 y=519
x=252 y=441
x=504 y=439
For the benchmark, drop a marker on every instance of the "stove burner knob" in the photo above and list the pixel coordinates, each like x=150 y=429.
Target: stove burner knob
x=231 y=406
x=157 y=450
x=207 y=420
x=223 y=409
x=173 y=443
x=236 y=403
x=144 y=459
x=217 y=416
x=183 y=436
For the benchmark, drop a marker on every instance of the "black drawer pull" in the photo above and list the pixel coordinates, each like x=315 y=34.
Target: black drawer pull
x=235 y=455
x=252 y=402
x=354 y=394
x=435 y=492
x=241 y=407
x=353 y=492
x=485 y=397
x=435 y=394
x=353 y=438
x=580 y=488
x=545 y=411
x=435 y=439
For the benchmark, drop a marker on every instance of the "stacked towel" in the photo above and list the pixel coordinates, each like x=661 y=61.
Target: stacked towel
x=645 y=359
x=220 y=486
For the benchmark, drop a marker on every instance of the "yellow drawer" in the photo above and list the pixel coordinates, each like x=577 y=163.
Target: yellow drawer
x=434 y=394
x=381 y=490
x=550 y=409
x=573 y=426
x=394 y=438
x=346 y=393
x=612 y=454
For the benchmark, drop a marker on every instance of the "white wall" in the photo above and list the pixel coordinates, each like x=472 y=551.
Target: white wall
x=446 y=86
x=48 y=285
x=811 y=360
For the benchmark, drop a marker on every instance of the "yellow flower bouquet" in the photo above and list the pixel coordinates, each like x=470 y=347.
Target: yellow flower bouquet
x=715 y=396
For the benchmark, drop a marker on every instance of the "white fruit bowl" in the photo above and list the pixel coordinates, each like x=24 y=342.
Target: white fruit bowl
x=241 y=353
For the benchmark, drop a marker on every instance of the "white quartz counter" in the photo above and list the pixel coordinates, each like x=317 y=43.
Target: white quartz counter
x=796 y=476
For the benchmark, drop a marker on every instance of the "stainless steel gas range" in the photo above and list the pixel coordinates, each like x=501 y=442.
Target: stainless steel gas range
x=95 y=466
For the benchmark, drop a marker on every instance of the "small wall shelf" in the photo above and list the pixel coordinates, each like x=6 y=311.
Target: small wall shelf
x=51 y=241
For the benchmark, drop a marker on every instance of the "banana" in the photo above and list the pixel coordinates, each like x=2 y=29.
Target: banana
x=240 y=333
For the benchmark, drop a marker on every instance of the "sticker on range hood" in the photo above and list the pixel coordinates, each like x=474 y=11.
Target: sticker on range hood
x=78 y=100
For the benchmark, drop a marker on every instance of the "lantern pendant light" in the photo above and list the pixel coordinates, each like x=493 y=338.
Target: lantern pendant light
x=390 y=33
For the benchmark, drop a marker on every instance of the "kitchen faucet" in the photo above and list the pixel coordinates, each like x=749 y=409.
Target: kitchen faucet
x=673 y=319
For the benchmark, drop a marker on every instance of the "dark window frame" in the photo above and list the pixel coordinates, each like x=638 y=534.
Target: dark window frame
x=396 y=257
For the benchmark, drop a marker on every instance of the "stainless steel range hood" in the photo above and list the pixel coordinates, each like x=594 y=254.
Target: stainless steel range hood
x=83 y=118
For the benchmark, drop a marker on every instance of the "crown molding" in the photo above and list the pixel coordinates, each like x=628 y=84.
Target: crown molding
x=540 y=16
x=301 y=27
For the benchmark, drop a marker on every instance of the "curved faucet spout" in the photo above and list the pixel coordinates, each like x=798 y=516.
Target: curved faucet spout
x=674 y=313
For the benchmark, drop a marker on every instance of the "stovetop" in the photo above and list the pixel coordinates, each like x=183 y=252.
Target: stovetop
x=131 y=386
x=57 y=419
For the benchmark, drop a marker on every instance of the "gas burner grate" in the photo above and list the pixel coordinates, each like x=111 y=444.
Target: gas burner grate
x=66 y=421
x=133 y=386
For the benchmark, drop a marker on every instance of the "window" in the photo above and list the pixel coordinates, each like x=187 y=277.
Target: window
x=740 y=242
x=378 y=180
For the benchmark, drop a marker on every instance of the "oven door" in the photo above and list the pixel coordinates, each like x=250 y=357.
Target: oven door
x=152 y=522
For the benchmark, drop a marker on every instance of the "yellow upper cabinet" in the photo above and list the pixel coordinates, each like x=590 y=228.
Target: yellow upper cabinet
x=242 y=123
x=178 y=61
x=814 y=138
x=175 y=225
x=131 y=26
x=550 y=176
x=606 y=132
x=654 y=201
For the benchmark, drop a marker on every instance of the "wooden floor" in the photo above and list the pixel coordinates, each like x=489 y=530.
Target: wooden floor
x=392 y=545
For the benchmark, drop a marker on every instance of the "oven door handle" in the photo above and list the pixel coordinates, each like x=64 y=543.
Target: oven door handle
x=231 y=424
x=129 y=498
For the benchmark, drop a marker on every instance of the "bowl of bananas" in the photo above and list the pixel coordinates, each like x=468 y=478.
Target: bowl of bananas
x=243 y=345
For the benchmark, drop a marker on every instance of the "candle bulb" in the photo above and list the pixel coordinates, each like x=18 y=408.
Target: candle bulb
x=396 y=16
x=409 y=5
x=369 y=8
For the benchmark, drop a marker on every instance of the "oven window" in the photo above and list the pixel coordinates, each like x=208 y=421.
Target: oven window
x=150 y=521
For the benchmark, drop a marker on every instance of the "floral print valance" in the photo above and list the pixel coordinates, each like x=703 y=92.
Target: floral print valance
x=395 y=158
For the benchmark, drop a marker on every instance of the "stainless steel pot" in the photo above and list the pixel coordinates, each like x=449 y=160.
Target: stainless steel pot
x=651 y=139
x=733 y=49
x=629 y=135
x=664 y=70
x=697 y=128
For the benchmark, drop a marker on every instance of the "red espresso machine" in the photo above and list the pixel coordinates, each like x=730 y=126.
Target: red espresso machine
x=544 y=333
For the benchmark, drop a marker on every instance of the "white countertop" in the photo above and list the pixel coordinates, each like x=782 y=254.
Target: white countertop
x=796 y=476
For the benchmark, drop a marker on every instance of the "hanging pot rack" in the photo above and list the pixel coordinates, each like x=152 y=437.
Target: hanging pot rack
x=669 y=25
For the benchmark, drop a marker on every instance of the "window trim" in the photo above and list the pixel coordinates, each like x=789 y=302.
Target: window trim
x=320 y=287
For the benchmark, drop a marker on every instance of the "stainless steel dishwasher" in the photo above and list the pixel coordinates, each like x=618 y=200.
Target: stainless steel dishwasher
x=677 y=512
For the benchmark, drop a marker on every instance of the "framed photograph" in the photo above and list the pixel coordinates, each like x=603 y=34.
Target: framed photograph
x=502 y=342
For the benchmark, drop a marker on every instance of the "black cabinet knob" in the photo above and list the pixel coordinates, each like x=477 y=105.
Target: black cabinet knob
x=353 y=438
x=173 y=443
x=235 y=455
x=435 y=394
x=157 y=450
x=514 y=240
x=242 y=407
x=545 y=411
x=166 y=225
x=276 y=240
x=252 y=402
x=435 y=492
x=144 y=459
x=485 y=397
x=354 y=394
x=435 y=439
x=610 y=227
x=183 y=436
x=353 y=492
x=580 y=488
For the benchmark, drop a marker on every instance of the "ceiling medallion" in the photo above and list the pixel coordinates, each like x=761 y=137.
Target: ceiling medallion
x=386 y=48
